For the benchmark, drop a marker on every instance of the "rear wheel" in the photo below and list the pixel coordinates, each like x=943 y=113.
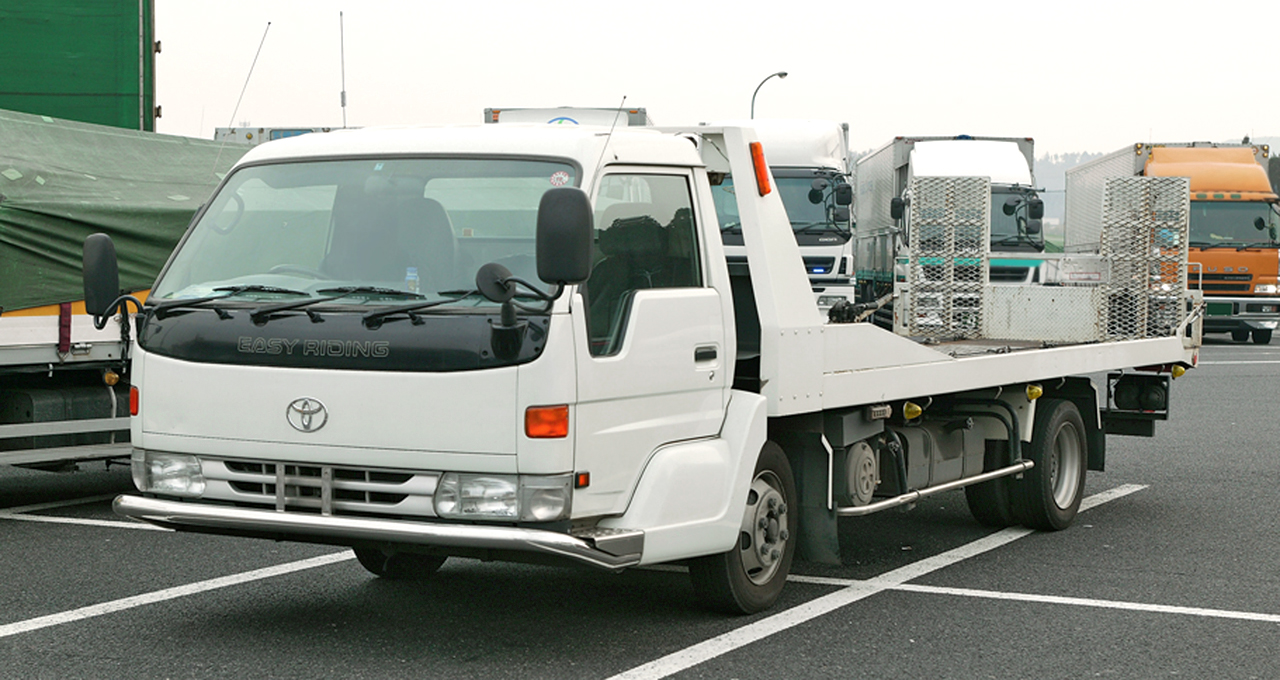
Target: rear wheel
x=1240 y=335
x=991 y=503
x=398 y=565
x=1261 y=336
x=749 y=577
x=1049 y=494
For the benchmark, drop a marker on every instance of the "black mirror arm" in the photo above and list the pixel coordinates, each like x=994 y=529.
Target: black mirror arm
x=118 y=305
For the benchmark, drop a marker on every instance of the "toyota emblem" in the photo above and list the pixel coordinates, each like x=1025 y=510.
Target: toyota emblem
x=306 y=414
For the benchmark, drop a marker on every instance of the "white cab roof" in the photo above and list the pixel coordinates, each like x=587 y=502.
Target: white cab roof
x=798 y=142
x=579 y=143
x=1001 y=161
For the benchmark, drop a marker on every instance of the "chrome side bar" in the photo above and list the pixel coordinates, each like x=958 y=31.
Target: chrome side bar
x=196 y=516
x=913 y=496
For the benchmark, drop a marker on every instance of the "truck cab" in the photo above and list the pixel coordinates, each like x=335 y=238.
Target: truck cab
x=809 y=161
x=1016 y=234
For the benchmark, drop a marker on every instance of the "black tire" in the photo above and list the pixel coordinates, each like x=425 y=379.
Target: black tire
x=1261 y=336
x=1240 y=335
x=1049 y=494
x=398 y=566
x=742 y=580
x=991 y=503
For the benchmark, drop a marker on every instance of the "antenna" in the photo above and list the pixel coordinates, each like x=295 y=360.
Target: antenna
x=611 y=127
x=342 y=56
x=232 y=122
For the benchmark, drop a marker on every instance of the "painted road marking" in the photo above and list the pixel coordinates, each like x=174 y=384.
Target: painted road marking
x=169 y=594
x=20 y=513
x=1223 y=363
x=857 y=590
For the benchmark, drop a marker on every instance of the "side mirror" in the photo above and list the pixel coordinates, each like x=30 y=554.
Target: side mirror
x=896 y=208
x=844 y=194
x=816 y=190
x=1010 y=205
x=1035 y=209
x=565 y=236
x=1033 y=227
x=101 y=274
x=840 y=213
x=1259 y=223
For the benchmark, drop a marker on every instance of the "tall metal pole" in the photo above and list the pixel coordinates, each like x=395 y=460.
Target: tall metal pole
x=779 y=74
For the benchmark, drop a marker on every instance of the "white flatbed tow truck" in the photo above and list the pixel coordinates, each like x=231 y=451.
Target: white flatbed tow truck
x=520 y=342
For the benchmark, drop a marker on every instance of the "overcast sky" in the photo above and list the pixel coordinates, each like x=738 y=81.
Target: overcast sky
x=1077 y=75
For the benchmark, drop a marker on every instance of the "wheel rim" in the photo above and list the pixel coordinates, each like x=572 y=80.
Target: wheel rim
x=763 y=540
x=1065 y=464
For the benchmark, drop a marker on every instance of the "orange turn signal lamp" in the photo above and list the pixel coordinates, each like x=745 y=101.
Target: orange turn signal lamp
x=762 y=169
x=133 y=401
x=546 y=422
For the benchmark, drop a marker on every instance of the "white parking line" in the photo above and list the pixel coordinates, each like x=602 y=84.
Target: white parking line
x=20 y=513
x=169 y=594
x=1223 y=363
x=1087 y=602
x=857 y=590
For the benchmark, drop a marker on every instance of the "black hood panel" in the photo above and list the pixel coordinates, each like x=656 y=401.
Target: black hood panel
x=342 y=341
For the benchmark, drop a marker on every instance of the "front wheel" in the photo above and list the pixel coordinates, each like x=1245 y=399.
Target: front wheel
x=399 y=566
x=1240 y=334
x=1049 y=494
x=749 y=577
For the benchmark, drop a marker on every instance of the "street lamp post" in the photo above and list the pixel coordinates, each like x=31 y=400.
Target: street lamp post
x=779 y=74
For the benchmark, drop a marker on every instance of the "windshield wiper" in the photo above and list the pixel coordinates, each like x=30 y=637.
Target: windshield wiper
x=160 y=308
x=344 y=291
x=378 y=315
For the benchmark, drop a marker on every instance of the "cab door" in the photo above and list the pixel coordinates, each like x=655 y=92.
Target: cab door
x=652 y=340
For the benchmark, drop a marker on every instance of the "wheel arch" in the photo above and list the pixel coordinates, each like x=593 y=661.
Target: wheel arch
x=1084 y=394
x=689 y=498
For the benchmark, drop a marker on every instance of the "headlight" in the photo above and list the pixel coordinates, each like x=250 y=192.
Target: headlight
x=1265 y=288
x=524 y=498
x=171 y=474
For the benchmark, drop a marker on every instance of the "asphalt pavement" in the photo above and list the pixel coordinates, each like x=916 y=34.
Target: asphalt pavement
x=1173 y=571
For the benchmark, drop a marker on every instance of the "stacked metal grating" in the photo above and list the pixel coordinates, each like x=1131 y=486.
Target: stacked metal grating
x=949 y=269
x=1144 y=236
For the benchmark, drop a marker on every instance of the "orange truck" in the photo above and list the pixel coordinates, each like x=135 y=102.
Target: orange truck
x=1233 y=254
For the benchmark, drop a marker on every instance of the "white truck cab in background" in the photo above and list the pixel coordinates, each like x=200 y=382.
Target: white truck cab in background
x=811 y=168
x=885 y=175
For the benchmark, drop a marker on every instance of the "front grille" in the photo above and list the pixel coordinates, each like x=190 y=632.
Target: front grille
x=1009 y=274
x=321 y=488
x=1220 y=287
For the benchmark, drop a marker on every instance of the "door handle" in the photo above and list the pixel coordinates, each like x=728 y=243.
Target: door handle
x=701 y=354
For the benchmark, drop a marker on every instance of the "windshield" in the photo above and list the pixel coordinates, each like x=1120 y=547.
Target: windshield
x=1231 y=223
x=794 y=191
x=369 y=231
x=1009 y=219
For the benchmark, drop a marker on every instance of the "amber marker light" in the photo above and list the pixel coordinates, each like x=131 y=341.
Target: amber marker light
x=582 y=480
x=1178 y=370
x=762 y=170
x=133 y=401
x=911 y=410
x=546 y=422
x=110 y=377
x=1034 y=391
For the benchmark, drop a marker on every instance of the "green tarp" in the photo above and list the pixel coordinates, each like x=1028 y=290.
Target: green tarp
x=61 y=181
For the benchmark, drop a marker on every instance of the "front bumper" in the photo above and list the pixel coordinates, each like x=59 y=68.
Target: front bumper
x=1241 y=313
x=609 y=549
